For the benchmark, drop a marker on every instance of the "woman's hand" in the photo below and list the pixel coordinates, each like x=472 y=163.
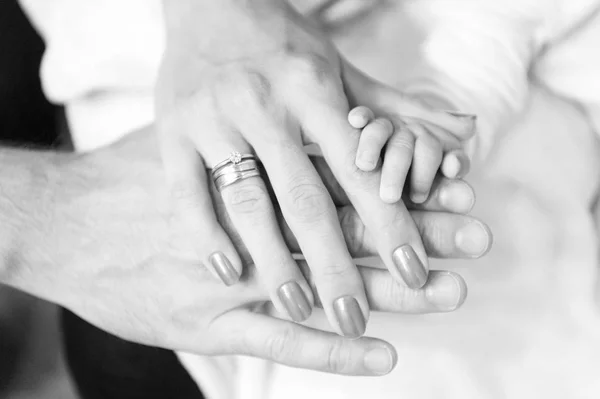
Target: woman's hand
x=130 y=274
x=256 y=77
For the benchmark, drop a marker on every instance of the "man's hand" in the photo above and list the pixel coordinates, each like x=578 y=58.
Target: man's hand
x=102 y=245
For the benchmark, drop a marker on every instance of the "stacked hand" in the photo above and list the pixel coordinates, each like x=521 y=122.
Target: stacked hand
x=139 y=278
x=268 y=87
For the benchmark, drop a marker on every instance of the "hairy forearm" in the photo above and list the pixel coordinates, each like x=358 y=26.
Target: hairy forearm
x=45 y=218
x=67 y=218
x=25 y=205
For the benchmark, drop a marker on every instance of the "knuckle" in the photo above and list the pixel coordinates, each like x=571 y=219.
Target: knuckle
x=247 y=198
x=340 y=273
x=280 y=346
x=339 y=358
x=399 y=297
x=311 y=66
x=247 y=88
x=309 y=202
x=185 y=196
x=258 y=87
x=354 y=231
x=402 y=142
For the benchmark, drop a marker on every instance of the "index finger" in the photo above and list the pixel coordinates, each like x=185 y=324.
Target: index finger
x=398 y=241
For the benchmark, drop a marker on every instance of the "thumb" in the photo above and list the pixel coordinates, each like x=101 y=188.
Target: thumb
x=296 y=345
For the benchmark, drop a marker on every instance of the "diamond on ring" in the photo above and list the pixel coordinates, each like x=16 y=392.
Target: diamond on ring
x=235 y=167
x=235 y=157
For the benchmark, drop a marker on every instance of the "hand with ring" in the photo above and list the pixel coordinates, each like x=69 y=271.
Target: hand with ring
x=258 y=83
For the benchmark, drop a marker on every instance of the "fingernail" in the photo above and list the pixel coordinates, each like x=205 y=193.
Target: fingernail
x=379 y=361
x=461 y=115
x=349 y=316
x=294 y=300
x=409 y=266
x=390 y=194
x=365 y=161
x=418 y=198
x=451 y=166
x=473 y=239
x=224 y=268
x=445 y=291
x=457 y=197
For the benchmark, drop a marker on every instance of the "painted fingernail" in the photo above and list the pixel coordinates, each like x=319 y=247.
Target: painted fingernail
x=294 y=300
x=224 y=268
x=457 y=197
x=379 y=361
x=409 y=266
x=473 y=239
x=446 y=291
x=349 y=317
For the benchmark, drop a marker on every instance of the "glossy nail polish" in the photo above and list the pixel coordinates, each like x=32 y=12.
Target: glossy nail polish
x=409 y=267
x=224 y=268
x=350 y=318
x=294 y=300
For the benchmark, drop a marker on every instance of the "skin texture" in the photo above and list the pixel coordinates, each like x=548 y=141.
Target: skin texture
x=93 y=233
x=270 y=86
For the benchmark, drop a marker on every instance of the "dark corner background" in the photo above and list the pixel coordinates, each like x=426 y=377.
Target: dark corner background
x=25 y=115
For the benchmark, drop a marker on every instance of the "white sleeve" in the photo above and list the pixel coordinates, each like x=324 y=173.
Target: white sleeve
x=100 y=62
x=477 y=53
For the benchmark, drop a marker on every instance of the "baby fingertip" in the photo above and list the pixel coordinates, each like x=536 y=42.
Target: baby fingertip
x=360 y=116
x=451 y=166
x=389 y=195
x=418 y=198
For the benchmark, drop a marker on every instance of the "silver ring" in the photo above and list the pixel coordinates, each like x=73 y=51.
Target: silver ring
x=235 y=168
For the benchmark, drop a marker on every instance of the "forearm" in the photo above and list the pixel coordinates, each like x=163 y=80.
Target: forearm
x=45 y=213
x=26 y=203
x=227 y=29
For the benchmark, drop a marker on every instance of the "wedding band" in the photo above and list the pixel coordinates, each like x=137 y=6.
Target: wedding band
x=247 y=165
x=235 y=168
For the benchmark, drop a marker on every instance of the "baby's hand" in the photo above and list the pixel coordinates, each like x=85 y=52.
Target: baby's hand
x=422 y=147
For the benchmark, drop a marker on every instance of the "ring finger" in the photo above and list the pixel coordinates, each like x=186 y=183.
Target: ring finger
x=249 y=206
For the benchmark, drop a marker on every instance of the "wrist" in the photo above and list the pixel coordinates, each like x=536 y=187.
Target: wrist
x=225 y=29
